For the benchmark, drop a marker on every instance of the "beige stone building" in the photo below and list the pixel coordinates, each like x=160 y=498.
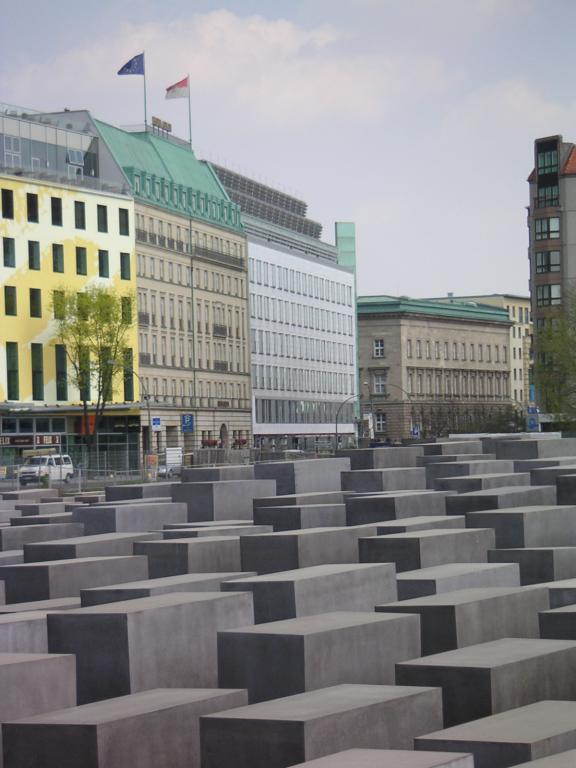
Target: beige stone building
x=430 y=368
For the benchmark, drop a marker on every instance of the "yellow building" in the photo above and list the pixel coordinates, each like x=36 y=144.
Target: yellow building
x=55 y=235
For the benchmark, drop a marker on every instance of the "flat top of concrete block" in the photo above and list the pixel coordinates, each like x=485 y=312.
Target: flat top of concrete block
x=382 y=470
x=391 y=758
x=432 y=534
x=55 y=604
x=111 y=710
x=288 y=507
x=388 y=494
x=561 y=760
x=151 y=603
x=312 y=571
x=77 y=562
x=526 y=725
x=528 y=550
x=99 y=537
x=463 y=596
x=508 y=490
x=531 y=509
x=317 y=624
x=171 y=581
x=9 y=659
x=419 y=520
x=205 y=524
x=451 y=569
x=198 y=541
x=507 y=650
x=300 y=461
x=561 y=584
x=570 y=609
x=307 y=531
x=10 y=618
x=324 y=702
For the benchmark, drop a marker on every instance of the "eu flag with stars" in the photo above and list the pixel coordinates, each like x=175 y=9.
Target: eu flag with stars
x=133 y=67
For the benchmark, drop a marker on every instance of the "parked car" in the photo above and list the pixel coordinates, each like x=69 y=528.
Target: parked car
x=56 y=467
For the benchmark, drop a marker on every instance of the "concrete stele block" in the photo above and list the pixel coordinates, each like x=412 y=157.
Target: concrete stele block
x=537 y=526
x=98 y=545
x=501 y=498
x=391 y=758
x=539 y=564
x=195 y=555
x=363 y=509
x=282 y=732
x=455 y=576
x=304 y=476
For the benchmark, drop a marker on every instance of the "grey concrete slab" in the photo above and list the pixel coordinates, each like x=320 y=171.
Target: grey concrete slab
x=287 y=550
x=501 y=498
x=317 y=589
x=215 y=530
x=375 y=480
x=33 y=683
x=476 y=615
x=128 y=518
x=391 y=758
x=23 y=632
x=303 y=476
x=504 y=674
x=421 y=549
x=39 y=508
x=193 y=555
x=98 y=545
x=435 y=471
x=300 y=499
x=65 y=578
x=206 y=524
x=566 y=488
x=56 y=604
x=222 y=499
x=538 y=526
x=535 y=449
x=511 y=737
x=394 y=506
x=316 y=652
x=562 y=760
x=211 y=474
x=453 y=447
x=12 y=556
x=481 y=482
x=548 y=475
x=561 y=592
x=138 y=491
x=288 y=518
x=559 y=623
x=455 y=576
x=539 y=564
x=527 y=465
x=383 y=458
x=421 y=523
x=134 y=590
x=31 y=494
x=279 y=733
x=43 y=519
x=423 y=461
x=162 y=641
x=16 y=536
x=151 y=729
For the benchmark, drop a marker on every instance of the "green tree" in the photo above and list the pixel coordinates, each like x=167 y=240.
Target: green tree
x=555 y=364
x=94 y=328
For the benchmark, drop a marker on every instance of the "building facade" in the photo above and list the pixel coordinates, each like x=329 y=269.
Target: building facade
x=59 y=231
x=429 y=368
x=302 y=319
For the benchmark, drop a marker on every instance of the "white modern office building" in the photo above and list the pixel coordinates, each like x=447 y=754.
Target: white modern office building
x=302 y=319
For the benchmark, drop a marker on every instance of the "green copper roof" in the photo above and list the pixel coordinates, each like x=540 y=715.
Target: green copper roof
x=462 y=310
x=170 y=176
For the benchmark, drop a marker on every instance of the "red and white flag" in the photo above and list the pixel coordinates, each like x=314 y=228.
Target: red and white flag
x=179 y=90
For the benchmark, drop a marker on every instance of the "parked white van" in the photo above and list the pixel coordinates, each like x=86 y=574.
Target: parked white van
x=57 y=467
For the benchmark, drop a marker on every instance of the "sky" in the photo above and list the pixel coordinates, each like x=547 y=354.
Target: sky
x=413 y=118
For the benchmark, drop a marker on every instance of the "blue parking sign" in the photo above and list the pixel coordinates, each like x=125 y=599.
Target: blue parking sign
x=187 y=422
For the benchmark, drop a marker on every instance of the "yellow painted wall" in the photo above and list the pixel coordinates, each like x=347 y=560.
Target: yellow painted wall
x=27 y=330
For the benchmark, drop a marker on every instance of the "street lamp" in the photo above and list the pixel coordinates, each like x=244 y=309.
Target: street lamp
x=342 y=404
x=146 y=396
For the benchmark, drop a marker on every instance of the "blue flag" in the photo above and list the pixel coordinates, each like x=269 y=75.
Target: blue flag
x=133 y=67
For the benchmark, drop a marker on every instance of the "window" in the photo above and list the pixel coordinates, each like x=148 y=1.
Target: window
x=418 y=348
x=454 y=350
x=56 y=209
x=57 y=258
x=379 y=383
x=437 y=350
x=32 y=207
x=81 y=264
x=33 y=254
x=79 y=215
x=378 y=348
x=103 y=266
x=37 y=372
x=547 y=261
x=7 y=204
x=35 y=304
x=10 y=300
x=380 y=422
x=58 y=305
x=61 y=373
x=128 y=377
x=123 y=219
x=547 y=162
x=125 y=266
x=9 y=251
x=548 y=295
x=12 y=375
x=547 y=229
x=548 y=196
x=409 y=348
x=102 y=218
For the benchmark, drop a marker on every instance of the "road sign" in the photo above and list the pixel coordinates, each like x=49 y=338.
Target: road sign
x=532 y=424
x=532 y=409
x=187 y=422
x=156 y=424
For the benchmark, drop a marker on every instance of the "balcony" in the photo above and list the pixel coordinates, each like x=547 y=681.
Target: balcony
x=141 y=236
x=144 y=358
x=553 y=202
x=152 y=238
x=219 y=330
x=221 y=258
x=220 y=365
x=162 y=241
x=223 y=404
x=143 y=318
x=179 y=246
x=170 y=243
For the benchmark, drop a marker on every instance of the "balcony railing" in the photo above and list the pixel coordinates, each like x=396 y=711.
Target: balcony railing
x=220 y=365
x=219 y=330
x=553 y=202
x=144 y=358
x=143 y=318
x=222 y=258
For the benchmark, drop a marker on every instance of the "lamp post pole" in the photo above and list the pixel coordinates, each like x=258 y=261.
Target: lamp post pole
x=342 y=404
x=146 y=398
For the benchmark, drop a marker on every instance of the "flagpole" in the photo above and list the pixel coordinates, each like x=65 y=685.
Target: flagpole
x=145 y=110
x=189 y=112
